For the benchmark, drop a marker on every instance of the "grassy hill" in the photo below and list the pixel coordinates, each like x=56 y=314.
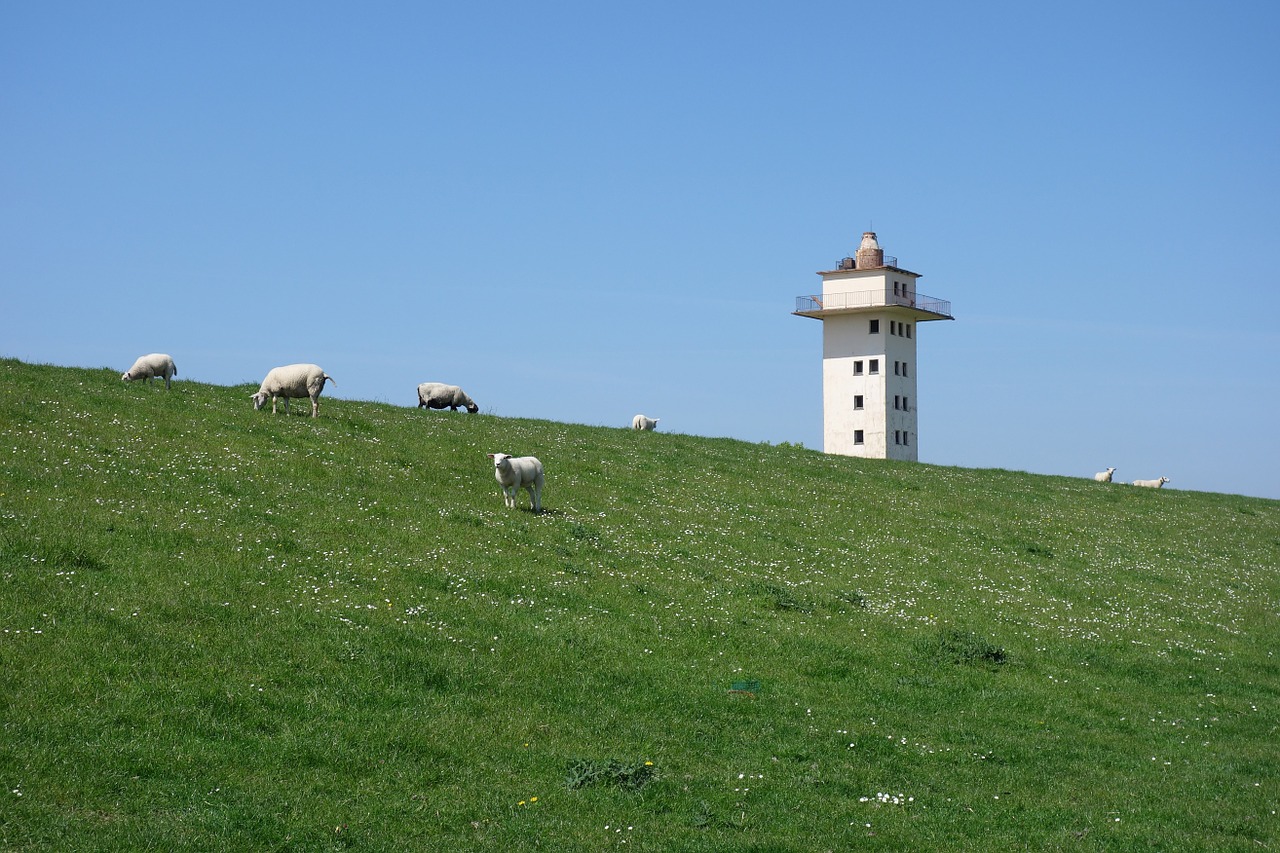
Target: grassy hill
x=222 y=629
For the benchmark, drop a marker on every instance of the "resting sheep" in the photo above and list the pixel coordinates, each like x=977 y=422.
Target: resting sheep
x=437 y=395
x=518 y=472
x=1151 y=484
x=643 y=423
x=149 y=366
x=1104 y=476
x=294 y=380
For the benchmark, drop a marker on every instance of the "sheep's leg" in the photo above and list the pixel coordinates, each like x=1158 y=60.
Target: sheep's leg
x=315 y=406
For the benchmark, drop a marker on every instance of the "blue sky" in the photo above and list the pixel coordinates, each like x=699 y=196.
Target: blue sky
x=580 y=211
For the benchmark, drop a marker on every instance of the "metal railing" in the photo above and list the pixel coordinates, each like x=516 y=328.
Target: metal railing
x=871 y=299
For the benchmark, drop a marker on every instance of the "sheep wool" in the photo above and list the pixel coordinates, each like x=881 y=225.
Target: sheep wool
x=293 y=380
x=514 y=473
x=150 y=366
x=1104 y=476
x=437 y=395
x=643 y=423
x=1151 y=484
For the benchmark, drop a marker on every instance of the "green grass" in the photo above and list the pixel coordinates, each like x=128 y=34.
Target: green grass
x=222 y=629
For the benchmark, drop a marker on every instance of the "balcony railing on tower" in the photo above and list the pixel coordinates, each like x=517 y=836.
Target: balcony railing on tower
x=818 y=305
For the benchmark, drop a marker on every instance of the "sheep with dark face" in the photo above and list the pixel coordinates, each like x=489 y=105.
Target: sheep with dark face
x=293 y=380
x=150 y=366
x=518 y=472
x=437 y=395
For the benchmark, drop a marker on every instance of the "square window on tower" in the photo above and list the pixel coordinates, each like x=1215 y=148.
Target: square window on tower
x=857 y=401
x=857 y=436
x=875 y=327
x=873 y=366
x=857 y=367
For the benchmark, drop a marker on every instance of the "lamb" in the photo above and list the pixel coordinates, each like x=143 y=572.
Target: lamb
x=1151 y=484
x=518 y=472
x=437 y=395
x=294 y=380
x=1104 y=476
x=643 y=423
x=149 y=366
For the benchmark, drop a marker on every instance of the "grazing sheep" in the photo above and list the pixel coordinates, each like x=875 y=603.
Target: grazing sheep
x=518 y=472
x=437 y=395
x=646 y=424
x=1104 y=476
x=1151 y=484
x=149 y=366
x=294 y=380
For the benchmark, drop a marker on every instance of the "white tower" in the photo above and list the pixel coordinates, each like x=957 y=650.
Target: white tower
x=869 y=310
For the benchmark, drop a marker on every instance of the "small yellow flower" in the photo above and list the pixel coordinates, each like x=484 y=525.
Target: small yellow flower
x=648 y=764
x=533 y=799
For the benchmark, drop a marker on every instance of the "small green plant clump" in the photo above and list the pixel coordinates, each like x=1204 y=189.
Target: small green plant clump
x=629 y=776
x=953 y=645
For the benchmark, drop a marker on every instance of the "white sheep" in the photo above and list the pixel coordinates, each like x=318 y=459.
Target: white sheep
x=1151 y=484
x=1104 y=476
x=518 y=472
x=437 y=395
x=643 y=423
x=294 y=380
x=149 y=366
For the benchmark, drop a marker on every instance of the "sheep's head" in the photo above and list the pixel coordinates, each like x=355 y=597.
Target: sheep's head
x=500 y=460
x=126 y=377
x=258 y=400
x=472 y=408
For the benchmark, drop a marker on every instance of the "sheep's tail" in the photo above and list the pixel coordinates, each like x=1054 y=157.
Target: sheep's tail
x=328 y=378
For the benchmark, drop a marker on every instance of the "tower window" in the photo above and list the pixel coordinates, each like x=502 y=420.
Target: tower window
x=857 y=436
x=897 y=436
x=908 y=327
x=904 y=368
x=875 y=327
x=897 y=401
x=873 y=366
x=905 y=406
x=895 y=368
x=857 y=367
x=857 y=401
x=906 y=437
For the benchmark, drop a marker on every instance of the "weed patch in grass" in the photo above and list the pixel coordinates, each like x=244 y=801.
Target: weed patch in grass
x=957 y=646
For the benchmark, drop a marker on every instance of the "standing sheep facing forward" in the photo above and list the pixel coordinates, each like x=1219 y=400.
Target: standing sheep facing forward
x=150 y=366
x=1104 y=476
x=518 y=472
x=643 y=423
x=437 y=395
x=293 y=380
x=1151 y=484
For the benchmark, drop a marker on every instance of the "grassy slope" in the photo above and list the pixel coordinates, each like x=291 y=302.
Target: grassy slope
x=221 y=629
